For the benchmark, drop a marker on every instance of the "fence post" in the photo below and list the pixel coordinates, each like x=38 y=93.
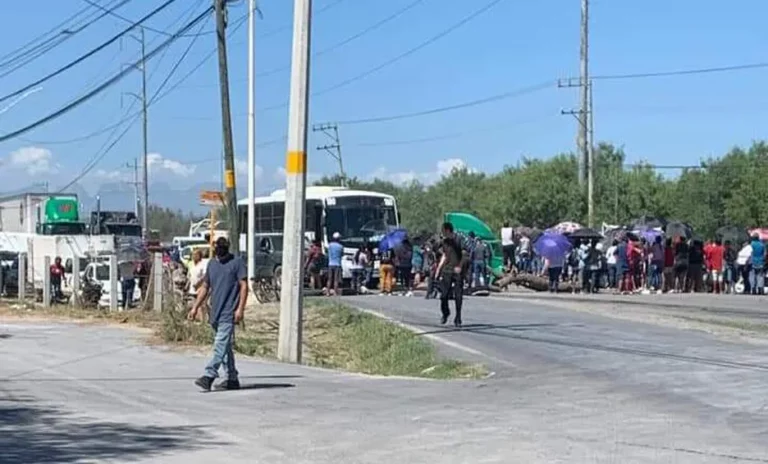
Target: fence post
x=22 y=284
x=113 y=306
x=46 y=281
x=76 y=281
x=2 y=280
x=157 y=276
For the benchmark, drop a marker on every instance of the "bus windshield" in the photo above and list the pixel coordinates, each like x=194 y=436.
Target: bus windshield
x=359 y=217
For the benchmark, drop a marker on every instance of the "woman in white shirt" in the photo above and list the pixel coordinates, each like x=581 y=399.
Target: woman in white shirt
x=508 y=246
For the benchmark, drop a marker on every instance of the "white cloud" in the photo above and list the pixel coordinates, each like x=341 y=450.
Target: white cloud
x=241 y=168
x=442 y=169
x=33 y=160
x=116 y=175
x=157 y=161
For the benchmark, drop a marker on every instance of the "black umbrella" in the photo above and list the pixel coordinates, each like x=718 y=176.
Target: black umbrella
x=586 y=234
x=678 y=229
x=735 y=235
x=648 y=222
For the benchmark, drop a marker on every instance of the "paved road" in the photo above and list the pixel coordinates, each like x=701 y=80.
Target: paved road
x=570 y=389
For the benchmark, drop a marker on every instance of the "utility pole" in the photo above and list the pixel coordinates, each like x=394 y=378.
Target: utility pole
x=250 y=241
x=230 y=195
x=590 y=162
x=584 y=88
x=136 y=184
x=144 y=134
x=333 y=149
x=291 y=304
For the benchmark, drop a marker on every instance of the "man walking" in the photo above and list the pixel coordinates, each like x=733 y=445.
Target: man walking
x=226 y=282
x=449 y=271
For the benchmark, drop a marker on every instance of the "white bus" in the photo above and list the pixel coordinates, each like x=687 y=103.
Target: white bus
x=357 y=215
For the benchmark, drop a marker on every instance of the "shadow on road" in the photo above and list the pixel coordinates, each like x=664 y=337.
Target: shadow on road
x=146 y=379
x=259 y=386
x=31 y=433
x=4 y=336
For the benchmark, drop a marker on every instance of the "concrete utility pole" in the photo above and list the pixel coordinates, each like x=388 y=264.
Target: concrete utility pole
x=144 y=134
x=590 y=162
x=250 y=240
x=230 y=194
x=584 y=88
x=333 y=149
x=291 y=304
x=136 y=185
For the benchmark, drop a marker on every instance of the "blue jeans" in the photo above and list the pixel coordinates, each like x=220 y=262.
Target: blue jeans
x=554 y=278
x=222 y=351
x=655 y=276
x=757 y=280
x=128 y=286
x=478 y=273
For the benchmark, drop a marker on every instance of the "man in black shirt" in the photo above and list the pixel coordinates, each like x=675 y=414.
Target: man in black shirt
x=450 y=273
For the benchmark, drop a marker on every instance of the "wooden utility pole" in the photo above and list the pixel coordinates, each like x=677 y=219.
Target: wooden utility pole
x=230 y=193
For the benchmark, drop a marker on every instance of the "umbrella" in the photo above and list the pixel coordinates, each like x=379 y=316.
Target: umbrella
x=648 y=222
x=552 y=246
x=586 y=234
x=565 y=227
x=650 y=235
x=679 y=229
x=733 y=234
x=761 y=233
x=392 y=239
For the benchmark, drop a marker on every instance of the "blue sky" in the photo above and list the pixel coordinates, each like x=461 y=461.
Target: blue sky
x=514 y=45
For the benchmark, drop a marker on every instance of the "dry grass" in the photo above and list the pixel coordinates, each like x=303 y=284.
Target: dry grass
x=335 y=336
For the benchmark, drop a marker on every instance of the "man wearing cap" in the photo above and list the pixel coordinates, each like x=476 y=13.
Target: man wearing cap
x=226 y=282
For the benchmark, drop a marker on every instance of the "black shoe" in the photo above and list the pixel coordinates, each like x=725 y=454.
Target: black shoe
x=457 y=323
x=228 y=385
x=443 y=320
x=205 y=383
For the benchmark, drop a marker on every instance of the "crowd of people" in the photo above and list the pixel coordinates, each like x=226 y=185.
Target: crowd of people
x=631 y=264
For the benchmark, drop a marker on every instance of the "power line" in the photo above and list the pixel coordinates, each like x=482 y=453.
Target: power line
x=238 y=24
x=87 y=55
x=682 y=72
x=156 y=96
x=351 y=38
x=399 y=57
x=442 y=109
x=130 y=21
x=60 y=31
x=103 y=86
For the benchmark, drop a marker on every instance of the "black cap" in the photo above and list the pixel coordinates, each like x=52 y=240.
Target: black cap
x=222 y=242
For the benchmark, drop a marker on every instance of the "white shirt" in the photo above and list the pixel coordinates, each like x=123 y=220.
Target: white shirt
x=507 y=234
x=196 y=274
x=611 y=254
x=525 y=245
x=744 y=255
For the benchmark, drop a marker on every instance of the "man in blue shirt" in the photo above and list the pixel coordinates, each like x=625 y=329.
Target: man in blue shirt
x=335 y=254
x=757 y=274
x=226 y=282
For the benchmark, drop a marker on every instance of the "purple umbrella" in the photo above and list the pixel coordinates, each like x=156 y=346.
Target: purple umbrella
x=552 y=246
x=651 y=234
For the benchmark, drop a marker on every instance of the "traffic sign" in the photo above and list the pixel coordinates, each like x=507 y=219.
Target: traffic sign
x=211 y=198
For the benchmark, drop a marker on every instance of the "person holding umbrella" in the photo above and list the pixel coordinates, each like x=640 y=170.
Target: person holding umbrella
x=449 y=271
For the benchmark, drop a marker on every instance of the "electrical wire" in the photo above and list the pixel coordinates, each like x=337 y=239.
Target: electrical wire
x=87 y=55
x=682 y=72
x=156 y=96
x=105 y=85
x=391 y=61
x=130 y=21
x=442 y=109
x=237 y=25
x=351 y=38
x=60 y=31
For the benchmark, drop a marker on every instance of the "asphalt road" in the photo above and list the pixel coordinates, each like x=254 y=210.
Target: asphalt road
x=570 y=388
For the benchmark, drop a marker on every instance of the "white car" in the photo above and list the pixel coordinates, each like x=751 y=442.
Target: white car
x=98 y=272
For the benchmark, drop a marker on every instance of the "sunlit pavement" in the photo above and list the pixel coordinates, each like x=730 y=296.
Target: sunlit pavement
x=568 y=387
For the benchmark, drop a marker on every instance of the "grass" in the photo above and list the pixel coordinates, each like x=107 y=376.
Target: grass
x=335 y=336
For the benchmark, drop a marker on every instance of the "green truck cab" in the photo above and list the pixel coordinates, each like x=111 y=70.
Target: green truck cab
x=61 y=217
x=464 y=223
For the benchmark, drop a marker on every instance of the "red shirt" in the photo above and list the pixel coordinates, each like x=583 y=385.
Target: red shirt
x=669 y=256
x=715 y=254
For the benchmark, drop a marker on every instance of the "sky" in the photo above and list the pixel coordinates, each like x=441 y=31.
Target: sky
x=377 y=59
